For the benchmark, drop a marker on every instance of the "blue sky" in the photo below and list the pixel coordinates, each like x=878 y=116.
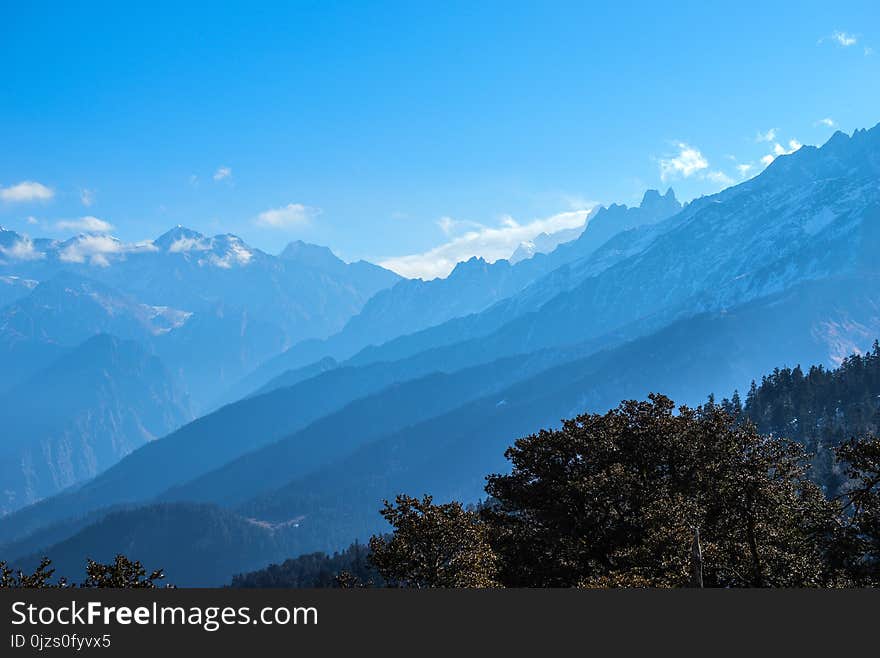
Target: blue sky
x=407 y=133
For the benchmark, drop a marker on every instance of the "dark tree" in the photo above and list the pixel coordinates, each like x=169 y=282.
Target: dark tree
x=41 y=577
x=122 y=573
x=433 y=546
x=614 y=499
x=861 y=460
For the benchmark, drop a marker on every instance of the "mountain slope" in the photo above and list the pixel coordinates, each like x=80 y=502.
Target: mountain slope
x=213 y=441
x=449 y=455
x=13 y=288
x=81 y=414
x=218 y=544
x=359 y=422
x=66 y=310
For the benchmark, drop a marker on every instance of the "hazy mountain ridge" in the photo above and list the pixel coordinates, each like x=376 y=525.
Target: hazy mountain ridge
x=234 y=306
x=218 y=542
x=449 y=454
x=80 y=415
x=544 y=243
x=476 y=298
x=182 y=268
x=62 y=312
x=215 y=447
x=810 y=214
x=13 y=288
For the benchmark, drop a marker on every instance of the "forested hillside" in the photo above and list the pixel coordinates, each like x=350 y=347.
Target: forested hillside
x=821 y=408
x=315 y=570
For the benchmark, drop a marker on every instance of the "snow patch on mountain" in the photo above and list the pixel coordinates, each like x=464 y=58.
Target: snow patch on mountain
x=185 y=244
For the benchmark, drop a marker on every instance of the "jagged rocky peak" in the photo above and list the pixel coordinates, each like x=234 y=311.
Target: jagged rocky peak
x=649 y=198
x=618 y=217
x=472 y=264
x=838 y=138
x=653 y=200
x=862 y=140
x=842 y=156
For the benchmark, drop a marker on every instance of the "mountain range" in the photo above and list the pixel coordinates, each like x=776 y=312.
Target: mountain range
x=474 y=286
x=212 y=307
x=423 y=386
x=195 y=313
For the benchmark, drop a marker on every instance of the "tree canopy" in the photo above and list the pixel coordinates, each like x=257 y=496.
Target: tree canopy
x=433 y=546
x=122 y=573
x=616 y=499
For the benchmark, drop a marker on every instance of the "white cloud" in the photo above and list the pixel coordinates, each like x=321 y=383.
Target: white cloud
x=289 y=216
x=691 y=162
x=827 y=121
x=26 y=191
x=87 y=197
x=450 y=226
x=688 y=162
x=844 y=39
x=768 y=136
x=490 y=243
x=22 y=249
x=446 y=224
x=767 y=159
x=86 y=224
x=744 y=169
x=868 y=51
x=32 y=220
x=222 y=173
x=96 y=249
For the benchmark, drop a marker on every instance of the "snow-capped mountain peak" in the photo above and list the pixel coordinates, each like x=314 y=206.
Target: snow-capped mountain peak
x=180 y=239
x=224 y=251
